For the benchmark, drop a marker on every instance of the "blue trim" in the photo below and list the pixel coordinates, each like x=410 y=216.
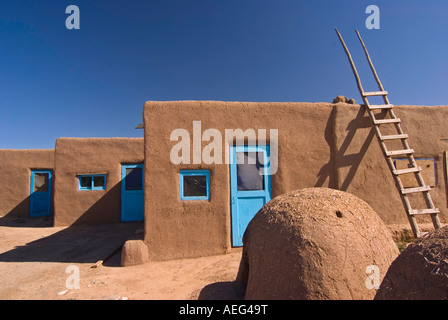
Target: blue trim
x=184 y=173
x=41 y=197
x=235 y=194
x=92 y=187
x=132 y=193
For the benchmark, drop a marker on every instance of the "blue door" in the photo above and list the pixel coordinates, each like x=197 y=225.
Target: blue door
x=132 y=198
x=250 y=186
x=40 y=193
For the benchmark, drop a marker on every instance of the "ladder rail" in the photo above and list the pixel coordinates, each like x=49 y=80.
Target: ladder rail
x=352 y=64
x=375 y=74
x=385 y=97
x=386 y=101
x=419 y=178
x=397 y=180
x=403 y=195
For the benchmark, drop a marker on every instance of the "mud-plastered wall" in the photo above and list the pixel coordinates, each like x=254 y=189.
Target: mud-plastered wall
x=361 y=168
x=15 y=181
x=180 y=229
x=75 y=157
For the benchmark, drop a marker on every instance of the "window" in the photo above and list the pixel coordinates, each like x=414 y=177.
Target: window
x=194 y=185
x=248 y=170
x=41 y=182
x=134 y=178
x=92 y=182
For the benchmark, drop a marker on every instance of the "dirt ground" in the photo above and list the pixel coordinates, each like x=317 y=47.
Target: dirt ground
x=38 y=261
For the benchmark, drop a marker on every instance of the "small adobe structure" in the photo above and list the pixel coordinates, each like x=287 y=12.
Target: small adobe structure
x=420 y=272
x=77 y=182
x=101 y=160
x=15 y=185
x=314 y=244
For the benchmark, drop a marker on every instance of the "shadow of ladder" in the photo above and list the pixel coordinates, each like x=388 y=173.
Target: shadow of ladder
x=388 y=120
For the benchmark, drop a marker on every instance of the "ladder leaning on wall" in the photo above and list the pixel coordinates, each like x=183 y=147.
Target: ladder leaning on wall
x=388 y=118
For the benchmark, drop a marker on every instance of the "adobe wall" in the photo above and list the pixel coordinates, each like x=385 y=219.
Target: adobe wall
x=362 y=170
x=180 y=229
x=15 y=181
x=77 y=156
x=320 y=145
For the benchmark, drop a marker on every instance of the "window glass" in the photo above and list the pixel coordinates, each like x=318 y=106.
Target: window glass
x=248 y=171
x=195 y=186
x=134 y=179
x=92 y=182
x=40 y=182
x=98 y=182
x=86 y=182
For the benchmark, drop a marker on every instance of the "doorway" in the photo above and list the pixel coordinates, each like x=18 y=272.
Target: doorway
x=132 y=193
x=250 y=186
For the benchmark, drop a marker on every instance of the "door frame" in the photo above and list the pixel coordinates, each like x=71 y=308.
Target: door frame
x=49 y=192
x=235 y=194
x=125 y=166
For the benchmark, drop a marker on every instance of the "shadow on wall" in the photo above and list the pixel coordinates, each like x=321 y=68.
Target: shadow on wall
x=105 y=210
x=445 y=170
x=19 y=217
x=338 y=158
x=92 y=237
x=328 y=170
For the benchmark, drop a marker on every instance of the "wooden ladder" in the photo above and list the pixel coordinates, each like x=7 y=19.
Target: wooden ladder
x=388 y=119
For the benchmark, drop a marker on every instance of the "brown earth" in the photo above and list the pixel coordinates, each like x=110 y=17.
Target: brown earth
x=34 y=258
x=314 y=244
x=420 y=272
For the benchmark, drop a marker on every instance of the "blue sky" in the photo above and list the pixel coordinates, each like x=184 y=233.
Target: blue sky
x=93 y=82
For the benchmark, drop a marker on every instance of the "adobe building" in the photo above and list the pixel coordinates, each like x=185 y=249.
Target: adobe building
x=26 y=183
x=198 y=202
x=195 y=176
x=81 y=181
x=98 y=180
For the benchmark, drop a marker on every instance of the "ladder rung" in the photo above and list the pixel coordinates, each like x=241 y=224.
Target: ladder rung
x=408 y=170
x=431 y=210
x=417 y=189
x=385 y=121
x=380 y=106
x=375 y=93
x=394 y=137
x=424 y=211
x=399 y=152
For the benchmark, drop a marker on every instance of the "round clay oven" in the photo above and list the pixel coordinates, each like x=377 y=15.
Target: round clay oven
x=420 y=272
x=314 y=243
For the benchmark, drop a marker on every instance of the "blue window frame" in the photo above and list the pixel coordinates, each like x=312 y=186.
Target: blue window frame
x=92 y=182
x=194 y=184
